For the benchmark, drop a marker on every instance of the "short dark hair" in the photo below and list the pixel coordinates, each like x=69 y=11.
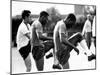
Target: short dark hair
x=25 y=13
x=71 y=17
x=70 y=20
x=44 y=13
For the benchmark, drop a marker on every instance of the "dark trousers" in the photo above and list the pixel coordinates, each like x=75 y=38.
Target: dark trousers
x=63 y=53
x=38 y=53
x=88 y=36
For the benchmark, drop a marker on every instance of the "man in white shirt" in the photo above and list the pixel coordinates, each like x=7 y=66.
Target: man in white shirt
x=23 y=39
x=64 y=45
x=87 y=30
x=39 y=42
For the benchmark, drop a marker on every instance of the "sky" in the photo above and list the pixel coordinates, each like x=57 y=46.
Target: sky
x=36 y=8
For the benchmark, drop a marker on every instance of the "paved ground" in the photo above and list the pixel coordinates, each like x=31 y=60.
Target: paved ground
x=77 y=62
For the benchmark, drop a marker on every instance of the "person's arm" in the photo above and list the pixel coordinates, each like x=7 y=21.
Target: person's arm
x=39 y=31
x=42 y=37
x=84 y=27
x=27 y=35
x=25 y=31
x=66 y=42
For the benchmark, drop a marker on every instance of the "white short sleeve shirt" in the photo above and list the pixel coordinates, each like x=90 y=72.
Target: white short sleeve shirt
x=21 y=39
x=87 y=27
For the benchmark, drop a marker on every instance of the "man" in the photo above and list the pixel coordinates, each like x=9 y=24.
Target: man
x=64 y=45
x=87 y=30
x=23 y=39
x=39 y=44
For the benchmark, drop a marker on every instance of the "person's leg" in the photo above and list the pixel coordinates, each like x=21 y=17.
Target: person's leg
x=25 y=53
x=66 y=66
x=49 y=55
x=28 y=63
x=88 y=39
x=75 y=39
x=83 y=44
x=63 y=55
x=40 y=64
x=78 y=38
x=89 y=54
x=56 y=64
x=38 y=55
x=48 y=45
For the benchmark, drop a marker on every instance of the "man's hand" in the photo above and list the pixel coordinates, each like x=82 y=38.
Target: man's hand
x=77 y=50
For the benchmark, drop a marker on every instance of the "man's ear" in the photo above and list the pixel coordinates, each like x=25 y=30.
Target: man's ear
x=25 y=18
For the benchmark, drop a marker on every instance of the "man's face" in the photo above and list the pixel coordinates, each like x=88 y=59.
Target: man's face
x=29 y=19
x=69 y=23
